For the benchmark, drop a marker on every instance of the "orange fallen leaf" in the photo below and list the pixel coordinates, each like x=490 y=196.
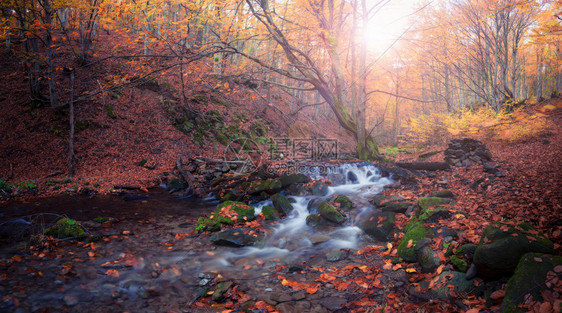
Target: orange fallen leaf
x=312 y=290
x=498 y=294
x=112 y=273
x=474 y=310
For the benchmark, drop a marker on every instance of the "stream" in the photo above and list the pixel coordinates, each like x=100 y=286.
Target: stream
x=151 y=259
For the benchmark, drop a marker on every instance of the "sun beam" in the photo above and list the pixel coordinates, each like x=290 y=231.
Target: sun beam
x=388 y=25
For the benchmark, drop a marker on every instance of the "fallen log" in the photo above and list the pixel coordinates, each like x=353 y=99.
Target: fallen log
x=187 y=177
x=423 y=166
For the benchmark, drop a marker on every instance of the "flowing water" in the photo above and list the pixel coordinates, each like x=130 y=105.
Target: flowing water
x=145 y=249
x=290 y=239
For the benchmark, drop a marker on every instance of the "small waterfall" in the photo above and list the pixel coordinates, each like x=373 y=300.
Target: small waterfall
x=291 y=237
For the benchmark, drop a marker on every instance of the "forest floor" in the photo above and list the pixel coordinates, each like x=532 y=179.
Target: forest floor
x=135 y=267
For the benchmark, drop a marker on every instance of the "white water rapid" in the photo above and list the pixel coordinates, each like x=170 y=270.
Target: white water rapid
x=292 y=238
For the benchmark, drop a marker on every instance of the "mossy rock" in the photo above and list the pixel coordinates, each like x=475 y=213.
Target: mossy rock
x=245 y=212
x=319 y=189
x=344 y=203
x=330 y=213
x=212 y=224
x=380 y=200
x=441 y=289
x=416 y=232
x=281 y=204
x=65 y=228
x=428 y=202
x=466 y=250
x=378 y=224
x=396 y=207
x=530 y=277
x=428 y=259
x=315 y=220
x=270 y=186
x=458 y=263
x=289 y=179
x=503 y=243
x=229 y=196
x=270 y=213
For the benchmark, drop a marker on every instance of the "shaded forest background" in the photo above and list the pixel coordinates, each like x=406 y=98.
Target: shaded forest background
x=221 y=70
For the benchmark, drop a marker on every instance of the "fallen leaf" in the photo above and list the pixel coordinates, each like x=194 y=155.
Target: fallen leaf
x=498 y=294
x=112 y=273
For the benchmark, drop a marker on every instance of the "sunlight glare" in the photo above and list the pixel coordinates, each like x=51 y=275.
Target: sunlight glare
x=388 y=24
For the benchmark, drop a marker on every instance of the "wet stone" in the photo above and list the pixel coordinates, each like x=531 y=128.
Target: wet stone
x=333 y=303
x=336 y=256
x=318 y=239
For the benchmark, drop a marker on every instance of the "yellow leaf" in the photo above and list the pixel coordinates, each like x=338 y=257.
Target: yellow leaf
x=410 y=270
x=389 y=246
x=548 y=107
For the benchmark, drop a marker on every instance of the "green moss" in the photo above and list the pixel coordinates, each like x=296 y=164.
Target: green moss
x=459 y=263
x=110 y=112
x=344 y=202
x=428 y=202
x=269 y=186
x=530 y=277
x=221 y=138
x=330 y=213
x=281 y=204
x=245 y=212
x=205 y=223
x=65 y=228
x=269 y=213
x=416 y=232
x=101 y=219
x=315 y=220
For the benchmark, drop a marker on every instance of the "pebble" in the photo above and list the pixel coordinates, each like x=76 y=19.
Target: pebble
x=70 y=300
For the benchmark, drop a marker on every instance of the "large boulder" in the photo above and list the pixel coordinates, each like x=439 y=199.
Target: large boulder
x=281 y=204
x=328 y=212
x=503 y=243
x=534 y=274
x=269 y=213
x=407 y=246
x=343 y=202
x=237 y=237
x=378 y=224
